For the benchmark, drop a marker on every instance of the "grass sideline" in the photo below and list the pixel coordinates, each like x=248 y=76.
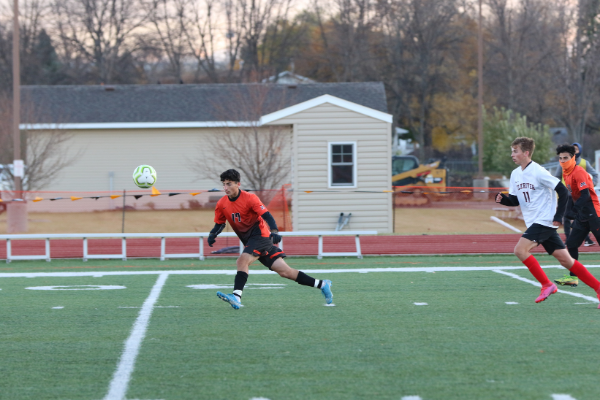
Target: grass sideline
x=466 y=343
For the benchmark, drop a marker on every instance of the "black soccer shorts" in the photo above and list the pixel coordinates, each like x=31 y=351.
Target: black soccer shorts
x=263 y=248
x=546 y=236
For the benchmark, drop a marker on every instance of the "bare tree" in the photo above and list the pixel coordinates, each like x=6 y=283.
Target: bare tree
x=578 y=70
x=258 y=152
x=43 y=149
x=99 y=31
x=346 y=36
x=31 y=28
x=522 y=43
x=258 y=16
x=202 y=38
x=168 y=18
x=417 y=38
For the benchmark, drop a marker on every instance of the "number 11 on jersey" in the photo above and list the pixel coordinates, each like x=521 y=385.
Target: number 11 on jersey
x=527 y=198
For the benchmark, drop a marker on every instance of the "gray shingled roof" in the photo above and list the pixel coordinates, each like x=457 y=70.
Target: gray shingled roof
x=179 y=103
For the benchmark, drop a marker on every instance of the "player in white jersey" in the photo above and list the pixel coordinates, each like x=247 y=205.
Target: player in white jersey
x=534 y=189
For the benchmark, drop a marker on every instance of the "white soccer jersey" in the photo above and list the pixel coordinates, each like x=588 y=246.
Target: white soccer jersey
x=534 y=186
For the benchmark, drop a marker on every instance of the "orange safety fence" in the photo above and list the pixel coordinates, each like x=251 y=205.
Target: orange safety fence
x=427 y=196
x=133 y=210
x=416 y=210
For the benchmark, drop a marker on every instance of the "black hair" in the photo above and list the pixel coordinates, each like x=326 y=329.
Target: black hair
x=566 y=148
x=232 y=175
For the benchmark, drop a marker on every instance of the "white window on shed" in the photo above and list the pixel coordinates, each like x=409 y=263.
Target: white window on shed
x=342 y=164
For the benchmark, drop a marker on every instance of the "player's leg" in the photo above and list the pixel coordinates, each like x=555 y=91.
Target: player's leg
x=523 y=248
x=534 y=235
x=275 y=262
x=523 y=253
x=578 y=234
x=567 y=227
x=579 y=269
x=251 y=252
x=574 y=241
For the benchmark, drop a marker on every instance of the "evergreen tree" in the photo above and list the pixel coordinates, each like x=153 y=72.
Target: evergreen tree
x=49 y=71
x=500 y=128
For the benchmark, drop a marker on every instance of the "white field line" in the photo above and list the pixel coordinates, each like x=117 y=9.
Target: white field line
x=118 y=386
x=593 y=299
x=121 y=377
x=267 y=272
x=562 y=397
x=509 y=226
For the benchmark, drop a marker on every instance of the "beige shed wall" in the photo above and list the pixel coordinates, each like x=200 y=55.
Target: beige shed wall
x=170 y=151
x=313 y=129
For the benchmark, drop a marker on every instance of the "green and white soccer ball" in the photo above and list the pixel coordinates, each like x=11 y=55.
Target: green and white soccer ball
x=144 y=176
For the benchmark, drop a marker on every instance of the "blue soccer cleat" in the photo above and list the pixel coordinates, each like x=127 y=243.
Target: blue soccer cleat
x=326 y=290
x=231 y=299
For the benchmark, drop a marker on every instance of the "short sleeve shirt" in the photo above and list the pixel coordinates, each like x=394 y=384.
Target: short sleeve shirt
x=534 y=187
x=244 y=215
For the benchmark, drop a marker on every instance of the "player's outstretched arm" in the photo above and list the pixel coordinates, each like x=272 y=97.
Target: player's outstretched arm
x=563 y=198
x=212 y=237
x=272 y=226
x=509 y=201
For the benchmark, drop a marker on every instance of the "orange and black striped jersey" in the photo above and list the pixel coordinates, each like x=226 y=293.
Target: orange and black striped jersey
x=244 y=215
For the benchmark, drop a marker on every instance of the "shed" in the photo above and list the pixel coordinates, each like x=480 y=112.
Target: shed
x=338 y=140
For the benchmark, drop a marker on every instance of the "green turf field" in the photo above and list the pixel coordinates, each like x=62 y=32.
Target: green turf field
x=428 y=329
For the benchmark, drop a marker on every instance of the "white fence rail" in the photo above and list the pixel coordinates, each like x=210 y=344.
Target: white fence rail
x=163 y=254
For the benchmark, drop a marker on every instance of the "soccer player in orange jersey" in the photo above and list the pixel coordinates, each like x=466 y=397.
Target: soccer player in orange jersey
x=256 y=228
x=584 y=210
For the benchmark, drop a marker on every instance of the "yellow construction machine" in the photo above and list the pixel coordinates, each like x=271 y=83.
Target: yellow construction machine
x=430 y=179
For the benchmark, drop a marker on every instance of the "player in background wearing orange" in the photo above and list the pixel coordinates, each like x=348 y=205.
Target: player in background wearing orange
x=587 y=166
x=584 y=210
x=256 y=228
x=534 y=189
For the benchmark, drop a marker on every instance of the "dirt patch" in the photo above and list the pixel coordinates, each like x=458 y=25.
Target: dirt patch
x=112 y=221
x=415 y=221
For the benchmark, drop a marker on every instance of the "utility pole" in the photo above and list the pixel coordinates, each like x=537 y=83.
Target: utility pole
x=16 y=211
x=16 y=97
x=480 y=184
x=479 y=95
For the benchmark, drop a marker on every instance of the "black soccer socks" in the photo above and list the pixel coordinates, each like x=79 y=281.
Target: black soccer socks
x=306 y=280
x=238 y=284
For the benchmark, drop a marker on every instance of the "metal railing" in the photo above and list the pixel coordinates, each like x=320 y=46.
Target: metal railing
x=163 y=254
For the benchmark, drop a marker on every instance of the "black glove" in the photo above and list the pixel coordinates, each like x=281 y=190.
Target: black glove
x=212 y=238
x=275 y=237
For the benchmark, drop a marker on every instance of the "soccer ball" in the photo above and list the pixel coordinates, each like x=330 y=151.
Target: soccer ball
x=144 y=176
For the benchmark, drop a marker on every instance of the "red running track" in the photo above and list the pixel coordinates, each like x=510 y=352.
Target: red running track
x=293 y=246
